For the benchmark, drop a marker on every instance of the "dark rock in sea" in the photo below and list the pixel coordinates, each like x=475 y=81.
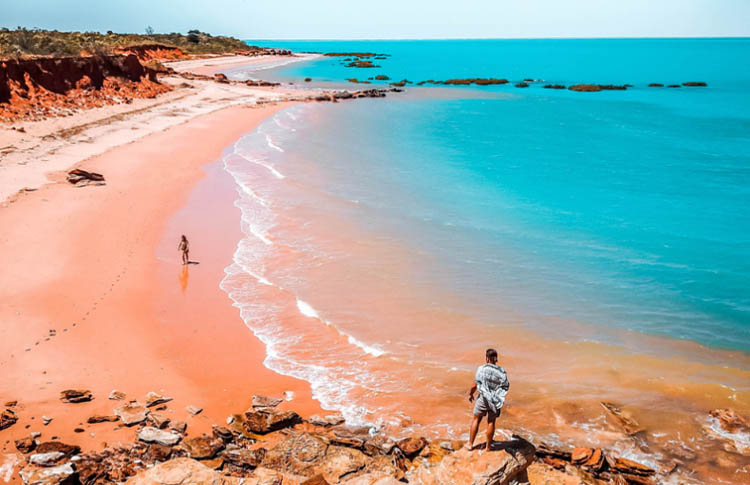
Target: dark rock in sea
x=656 y=85
x=362 y=64
x=623 y=419
x=586 y=88
x=695 y=84
x=400 y=84
x=554 y=86
x=522 y=85
x=308 y=79
x=673 y=86
x=382 y=77
x=79 y=395
x=350 y=54
x=613 y=87
x=730 y=421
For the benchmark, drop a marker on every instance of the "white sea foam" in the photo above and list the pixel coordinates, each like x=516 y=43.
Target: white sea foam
x=260 y=235
x=271 y=144
x=307 y=310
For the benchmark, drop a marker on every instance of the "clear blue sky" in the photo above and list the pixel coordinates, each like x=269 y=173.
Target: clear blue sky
x=394 y=19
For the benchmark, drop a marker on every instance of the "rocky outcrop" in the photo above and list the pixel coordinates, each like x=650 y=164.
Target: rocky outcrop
x=656 y=85
x=153 y=52
x=260 y=401
x=39 y=88
x=505 y=463
x=522 y=84
x=183 y=471
x=365 y=64
x=730 y=421
x=554 y=86
x=695 y=84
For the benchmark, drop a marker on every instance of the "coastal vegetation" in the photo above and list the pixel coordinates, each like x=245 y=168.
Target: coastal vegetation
x=24 y=42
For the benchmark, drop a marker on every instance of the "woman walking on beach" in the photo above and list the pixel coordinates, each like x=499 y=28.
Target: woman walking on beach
x=185 y=248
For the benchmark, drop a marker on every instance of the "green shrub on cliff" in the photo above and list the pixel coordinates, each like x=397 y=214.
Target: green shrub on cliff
x=23 y=42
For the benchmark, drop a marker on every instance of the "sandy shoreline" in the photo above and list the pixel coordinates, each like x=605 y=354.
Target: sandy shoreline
x=94 y=295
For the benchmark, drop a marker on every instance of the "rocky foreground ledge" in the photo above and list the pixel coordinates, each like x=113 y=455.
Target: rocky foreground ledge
x=263 y=445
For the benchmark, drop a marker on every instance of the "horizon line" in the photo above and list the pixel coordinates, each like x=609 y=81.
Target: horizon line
x=497 y=38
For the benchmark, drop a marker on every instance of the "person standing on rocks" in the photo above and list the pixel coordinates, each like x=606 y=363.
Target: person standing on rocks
x=185 y=248
x=492 y=382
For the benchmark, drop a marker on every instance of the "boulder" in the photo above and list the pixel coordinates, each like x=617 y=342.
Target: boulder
x=506 y=462
x=8 y=418
x=62 y=475
x=265 y=401
x=411 y=446
x=183 y=471
x=132 y=413
x=264 y=421
x=153 y=399
x=102 y=419
x=150 y=434
x=202 y=447
x=25 y=445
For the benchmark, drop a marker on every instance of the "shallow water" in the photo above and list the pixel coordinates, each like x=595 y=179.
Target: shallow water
x=598 y=240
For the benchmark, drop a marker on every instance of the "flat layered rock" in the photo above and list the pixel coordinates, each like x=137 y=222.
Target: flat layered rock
x=157 y=420
x=132 y=413
x=242 y=457
x=184 y=471
x=33 y=475
x=66 y=450
x=51 y=458
x=102 y=419
x=150 y=434
x=329 y=420
x=499 y=467
x=260 y=401
x=116 y=395
x=154 y=399
x=75 y=395
x=730 y=421
x=193 y=410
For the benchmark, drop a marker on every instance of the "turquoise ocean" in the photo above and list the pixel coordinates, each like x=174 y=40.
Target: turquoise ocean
x=616 y=210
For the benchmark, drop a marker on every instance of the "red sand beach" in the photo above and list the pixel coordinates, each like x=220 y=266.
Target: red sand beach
x=99 y=266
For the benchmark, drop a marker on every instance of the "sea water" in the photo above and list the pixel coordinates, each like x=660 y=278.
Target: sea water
x=389 y=242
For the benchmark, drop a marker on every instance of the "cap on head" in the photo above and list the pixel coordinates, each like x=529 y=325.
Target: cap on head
x=491 y=355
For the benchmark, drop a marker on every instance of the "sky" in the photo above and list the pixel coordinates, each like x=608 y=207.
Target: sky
x=390 y=19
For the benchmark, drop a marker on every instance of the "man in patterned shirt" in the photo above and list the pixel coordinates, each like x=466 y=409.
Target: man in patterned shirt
x=492 y=382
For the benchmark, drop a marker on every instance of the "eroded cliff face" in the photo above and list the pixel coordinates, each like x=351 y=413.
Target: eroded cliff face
x=153 y=52
x=34 y=89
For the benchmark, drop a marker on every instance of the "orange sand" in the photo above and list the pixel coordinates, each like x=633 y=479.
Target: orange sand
x=100 y=266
